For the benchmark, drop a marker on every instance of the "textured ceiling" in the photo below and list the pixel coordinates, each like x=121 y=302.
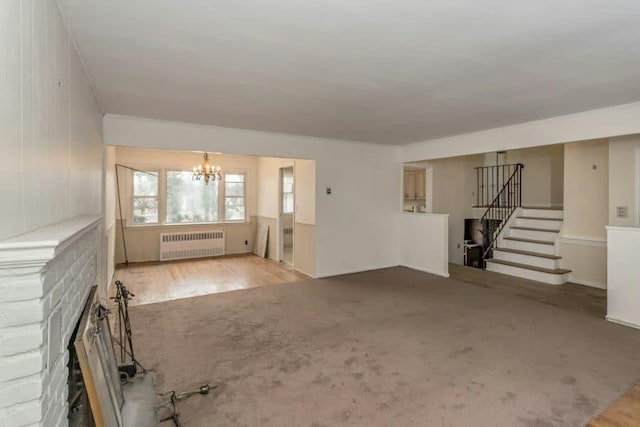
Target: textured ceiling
x=368 y=70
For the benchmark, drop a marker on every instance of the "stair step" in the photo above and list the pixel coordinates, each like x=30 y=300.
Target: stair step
x=530 y=267
x=541 y=242
x=544 y=230
x=529 y=253
x=544 y=208
x=542 y=213
x=541 y=218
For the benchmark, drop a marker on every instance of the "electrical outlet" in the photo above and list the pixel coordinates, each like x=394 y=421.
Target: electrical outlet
x=458 y=245
x=328 y=190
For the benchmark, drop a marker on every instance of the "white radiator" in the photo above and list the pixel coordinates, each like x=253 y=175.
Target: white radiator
x=195 y=244
x=288 y=237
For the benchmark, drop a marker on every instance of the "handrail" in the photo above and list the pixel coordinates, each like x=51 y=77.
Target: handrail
x=502 y=207
x=490 y=180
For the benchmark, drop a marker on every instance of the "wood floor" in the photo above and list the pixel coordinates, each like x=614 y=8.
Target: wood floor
x=624 y=412
x=569 y=296
x=153 y=282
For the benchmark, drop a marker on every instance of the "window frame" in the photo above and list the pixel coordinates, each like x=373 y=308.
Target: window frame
x=162 y=174
x=133 y=197
x=222 y=211
x=292 y=192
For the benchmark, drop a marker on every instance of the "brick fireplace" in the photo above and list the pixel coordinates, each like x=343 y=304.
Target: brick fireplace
x=45 y=278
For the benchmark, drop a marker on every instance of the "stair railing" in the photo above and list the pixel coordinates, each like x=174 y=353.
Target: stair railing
x=501 y=208
x=490 y=180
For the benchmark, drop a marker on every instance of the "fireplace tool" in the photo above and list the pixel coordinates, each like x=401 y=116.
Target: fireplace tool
x=127 y=368
x=174 y=397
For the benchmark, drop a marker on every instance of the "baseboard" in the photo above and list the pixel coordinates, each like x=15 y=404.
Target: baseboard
x=236 y=253
x=587 y=283
x=344 y=272
x=304 y=272
x=581 y=241
x=426 y=270
x=622 y=322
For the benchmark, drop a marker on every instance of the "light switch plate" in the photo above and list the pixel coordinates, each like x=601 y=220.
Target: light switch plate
x=622 y=211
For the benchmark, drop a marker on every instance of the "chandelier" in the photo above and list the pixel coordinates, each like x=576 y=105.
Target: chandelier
x=206 y=171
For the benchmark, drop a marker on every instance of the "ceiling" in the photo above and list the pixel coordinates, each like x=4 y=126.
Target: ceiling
x=392 y=72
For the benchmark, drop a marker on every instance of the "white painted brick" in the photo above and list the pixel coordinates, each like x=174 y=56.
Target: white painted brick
x=22 y=414
x=56 y=415
x=31 y=395
x=21 y=272
x=21 y=313
x=21 y=288
x=48 y=278
x=21 y=365
x=21 y=339
x=20 y=391
x=55 y=295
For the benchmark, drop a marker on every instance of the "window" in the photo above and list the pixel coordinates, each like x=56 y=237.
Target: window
x=173 y=197
x=287 y=190
x=189 y=200
x=145 y=198
x=234 y=209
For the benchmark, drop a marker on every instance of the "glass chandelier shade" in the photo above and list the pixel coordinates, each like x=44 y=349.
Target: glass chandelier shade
x=206 y=171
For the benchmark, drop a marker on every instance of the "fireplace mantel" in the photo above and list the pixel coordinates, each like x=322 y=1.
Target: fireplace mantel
x=40 y=246
x=45 y=278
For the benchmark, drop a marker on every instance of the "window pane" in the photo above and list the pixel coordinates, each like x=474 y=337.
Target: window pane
x=234 y=189
x=234 y=208
x=145 y=210
x=145 y=184
x=190 y=201
x=233 y=177
x=287 y=203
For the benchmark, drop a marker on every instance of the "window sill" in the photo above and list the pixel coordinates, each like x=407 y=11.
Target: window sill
x=186 y=224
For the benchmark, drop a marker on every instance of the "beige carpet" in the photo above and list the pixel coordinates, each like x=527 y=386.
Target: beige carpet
x=391 y=347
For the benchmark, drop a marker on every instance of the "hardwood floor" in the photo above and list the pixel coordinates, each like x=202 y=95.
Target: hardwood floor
x=569 y=296
x=153 y=282
x=624 y=412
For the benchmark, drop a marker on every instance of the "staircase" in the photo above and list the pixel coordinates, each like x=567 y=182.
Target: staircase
x=526 y=247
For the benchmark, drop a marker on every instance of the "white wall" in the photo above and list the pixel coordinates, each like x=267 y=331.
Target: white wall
x=603 y=123
x=586 y=184
x=542 y=179
x=355 y=229
x=454 y=186
x=51 y=160
x=624 y=188
x=424 y=242
x=110 y=207
x=269 y=178
x=50 y=122
x=582 y=242
x=305 y=192
x=623 y=292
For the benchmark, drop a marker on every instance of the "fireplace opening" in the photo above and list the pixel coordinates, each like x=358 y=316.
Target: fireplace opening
x=80 y=414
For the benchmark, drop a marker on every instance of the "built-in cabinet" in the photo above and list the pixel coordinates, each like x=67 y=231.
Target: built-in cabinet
x=414 y=184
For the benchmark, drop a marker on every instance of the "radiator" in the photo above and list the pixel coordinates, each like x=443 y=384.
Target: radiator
x=195 y=244
x=288 y=237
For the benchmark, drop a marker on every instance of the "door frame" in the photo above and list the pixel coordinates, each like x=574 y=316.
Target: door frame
x=280 y=225
x=636 y=189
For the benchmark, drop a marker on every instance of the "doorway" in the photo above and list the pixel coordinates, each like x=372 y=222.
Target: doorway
x=287 y=212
